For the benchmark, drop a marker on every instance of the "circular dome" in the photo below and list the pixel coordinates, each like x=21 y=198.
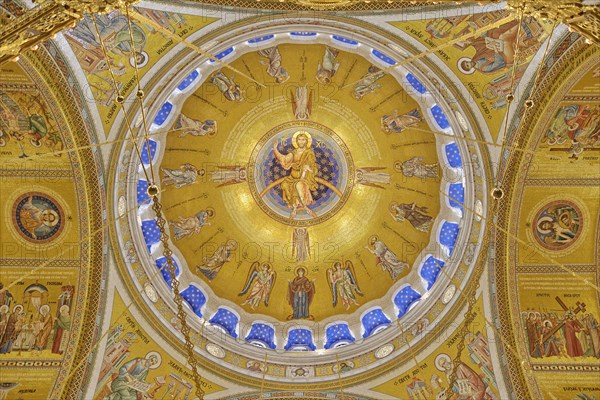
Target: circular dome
x=314 y=197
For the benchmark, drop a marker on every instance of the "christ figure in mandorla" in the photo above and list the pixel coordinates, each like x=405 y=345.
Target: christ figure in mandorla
x=301 y=162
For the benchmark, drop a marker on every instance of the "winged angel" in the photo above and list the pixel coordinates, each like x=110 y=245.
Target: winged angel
x=259 y=282
x=343 y=284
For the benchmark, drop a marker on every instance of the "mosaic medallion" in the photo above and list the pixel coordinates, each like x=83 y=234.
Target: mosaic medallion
x=37 y=217
x=558 y=225
x=301 y=173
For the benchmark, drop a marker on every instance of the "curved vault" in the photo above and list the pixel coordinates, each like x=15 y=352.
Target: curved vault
x=212 y=141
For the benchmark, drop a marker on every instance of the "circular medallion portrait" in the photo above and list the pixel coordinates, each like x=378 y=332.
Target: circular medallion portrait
x=557 y=225
x=300 y=173
x=37 y=217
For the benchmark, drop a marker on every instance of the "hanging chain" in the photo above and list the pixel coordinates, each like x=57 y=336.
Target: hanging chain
x=181 y=314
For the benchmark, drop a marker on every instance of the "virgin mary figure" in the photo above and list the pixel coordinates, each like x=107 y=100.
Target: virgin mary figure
x=301 y=162
x=301 y=292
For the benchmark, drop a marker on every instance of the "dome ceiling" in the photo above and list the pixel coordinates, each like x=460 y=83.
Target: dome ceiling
x=302 y=213
x=325 y=180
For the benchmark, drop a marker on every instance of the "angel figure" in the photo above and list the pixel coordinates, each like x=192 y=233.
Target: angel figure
x=228 y=175
x=342 y=282
x=386 y=258
x=274 y=67
x=185 y=227
x=367 y=84
x=399 y=123
x=328 y=67
x=184 y=176
x=300 y=244
x=415 y=167
x=302 y=102
x=189 y=126
x=227 y=86
x=213 y=264
x=367 y=176
x=259 y=282
x=416 y=215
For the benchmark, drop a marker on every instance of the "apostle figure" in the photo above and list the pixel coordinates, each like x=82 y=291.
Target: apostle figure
x=593 y=330
x=184 y=176
x=260 y=282
x=367 y=84
x=468 y=385
x=369 y=177
x=415 y=167
x=386 y=258
x=62 y=326
x=328 y=67
x=193 y=127
x=213 y=264
x=12 y=329
x=301 y=292
x=227 y=86
x=132 y=371
x=399 y=123
x=570 y=329
x=534 y=330
x=274 y=68
x=417 y=216
x=228 y=175
x=300 y=244
x=45 y=328
x=190 y=226
x=301 y=162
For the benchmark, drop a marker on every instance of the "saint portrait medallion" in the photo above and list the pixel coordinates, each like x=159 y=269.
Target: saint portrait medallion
x=301 y=173
x=558 y=225
x=37 y=217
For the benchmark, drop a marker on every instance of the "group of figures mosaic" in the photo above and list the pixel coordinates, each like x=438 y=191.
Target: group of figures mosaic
x=572 y=333
x=36 y=323
x=27 y=124
x=575 y=128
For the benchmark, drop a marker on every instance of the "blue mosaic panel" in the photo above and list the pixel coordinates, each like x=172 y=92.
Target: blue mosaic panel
x=416 y=84
x=188 y=80
x=338 y=334
x=448 y=235
x=383 y=57
x=262 y=333
x=374 y=321
x=440 y=117
x=144 y=151
x=142 y=192
x=161 y=263
x=404 y=298
x=300 y=339
x=222 y=54
x=163 y=113
x=261 y=39
x=456 y=195
x=151 y=233
x=453 y=155
x=195 y=299
x=430 y=270
x=345 y=40
x=226 y=320
x=303 y=34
